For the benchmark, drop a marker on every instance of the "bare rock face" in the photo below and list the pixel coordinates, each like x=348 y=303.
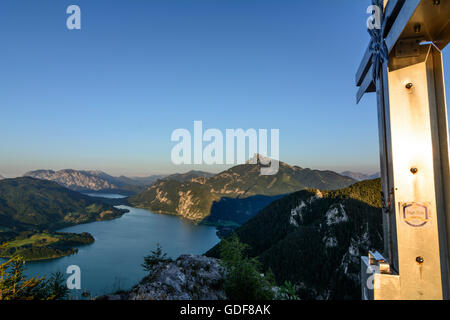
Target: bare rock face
x=190 y=277
x=75 y=180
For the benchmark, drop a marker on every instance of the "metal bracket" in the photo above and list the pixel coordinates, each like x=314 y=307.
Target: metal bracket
x=408 y=48
x=376 y=259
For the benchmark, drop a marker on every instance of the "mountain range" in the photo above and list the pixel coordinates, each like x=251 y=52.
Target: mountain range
x=360 y=176
x=195 y=198
x=314 y=238
x=97 y=181
x=1 y=177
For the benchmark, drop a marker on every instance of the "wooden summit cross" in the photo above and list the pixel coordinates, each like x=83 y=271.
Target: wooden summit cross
x=403 y=65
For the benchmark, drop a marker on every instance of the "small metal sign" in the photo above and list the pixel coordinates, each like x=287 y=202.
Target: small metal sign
x=415 y=214
x=408 y=48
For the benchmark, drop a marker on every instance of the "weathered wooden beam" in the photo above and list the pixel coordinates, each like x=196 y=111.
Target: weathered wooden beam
x=402 y=20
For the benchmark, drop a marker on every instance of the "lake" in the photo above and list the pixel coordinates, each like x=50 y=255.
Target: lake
x=113 y=261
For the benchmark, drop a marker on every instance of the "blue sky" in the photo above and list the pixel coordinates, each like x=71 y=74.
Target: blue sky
x=109 y=96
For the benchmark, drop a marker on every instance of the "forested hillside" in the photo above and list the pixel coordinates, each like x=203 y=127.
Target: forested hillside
x=28 y=203
x=315 y=238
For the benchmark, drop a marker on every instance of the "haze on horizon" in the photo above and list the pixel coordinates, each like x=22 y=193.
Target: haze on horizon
x=174 y=169
x=109 y=96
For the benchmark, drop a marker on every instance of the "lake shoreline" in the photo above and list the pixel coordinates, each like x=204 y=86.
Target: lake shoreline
x=45 y=244
x=113 y=262
x=40 y=246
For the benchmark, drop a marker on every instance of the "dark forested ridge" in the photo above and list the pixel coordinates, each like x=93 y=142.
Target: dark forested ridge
x=28 y=203
x=30 y=211
x=315 y=238
x=194 y=199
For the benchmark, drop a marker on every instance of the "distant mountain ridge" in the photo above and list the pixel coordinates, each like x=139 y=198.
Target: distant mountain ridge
x=2 y=177
x=189 y=176
x=141 y=181
x=314 y=238
x=360 y=176
x=194 y=199
x=97 y=181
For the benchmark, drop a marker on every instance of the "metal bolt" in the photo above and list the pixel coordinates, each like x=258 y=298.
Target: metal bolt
x=409 y=86
x=420 y=260
x=436 y=2
x=414 y=170
x=417 y=28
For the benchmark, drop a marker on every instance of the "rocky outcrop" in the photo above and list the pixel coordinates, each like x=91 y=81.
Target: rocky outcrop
x=190 y=277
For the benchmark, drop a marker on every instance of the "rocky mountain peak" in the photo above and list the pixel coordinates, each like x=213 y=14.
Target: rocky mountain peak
x=259 y=159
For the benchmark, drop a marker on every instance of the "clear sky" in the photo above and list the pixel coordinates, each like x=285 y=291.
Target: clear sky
x=109 y=96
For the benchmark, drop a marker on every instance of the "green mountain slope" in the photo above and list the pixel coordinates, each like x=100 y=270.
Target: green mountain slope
x=315 y=238
x=194 y=199
x=27 y=203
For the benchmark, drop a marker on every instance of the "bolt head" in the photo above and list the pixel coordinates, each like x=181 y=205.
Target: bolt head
x=417 y=28
x=420 y=260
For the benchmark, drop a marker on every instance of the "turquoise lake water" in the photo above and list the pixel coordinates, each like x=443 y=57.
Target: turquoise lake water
x=114 y=261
